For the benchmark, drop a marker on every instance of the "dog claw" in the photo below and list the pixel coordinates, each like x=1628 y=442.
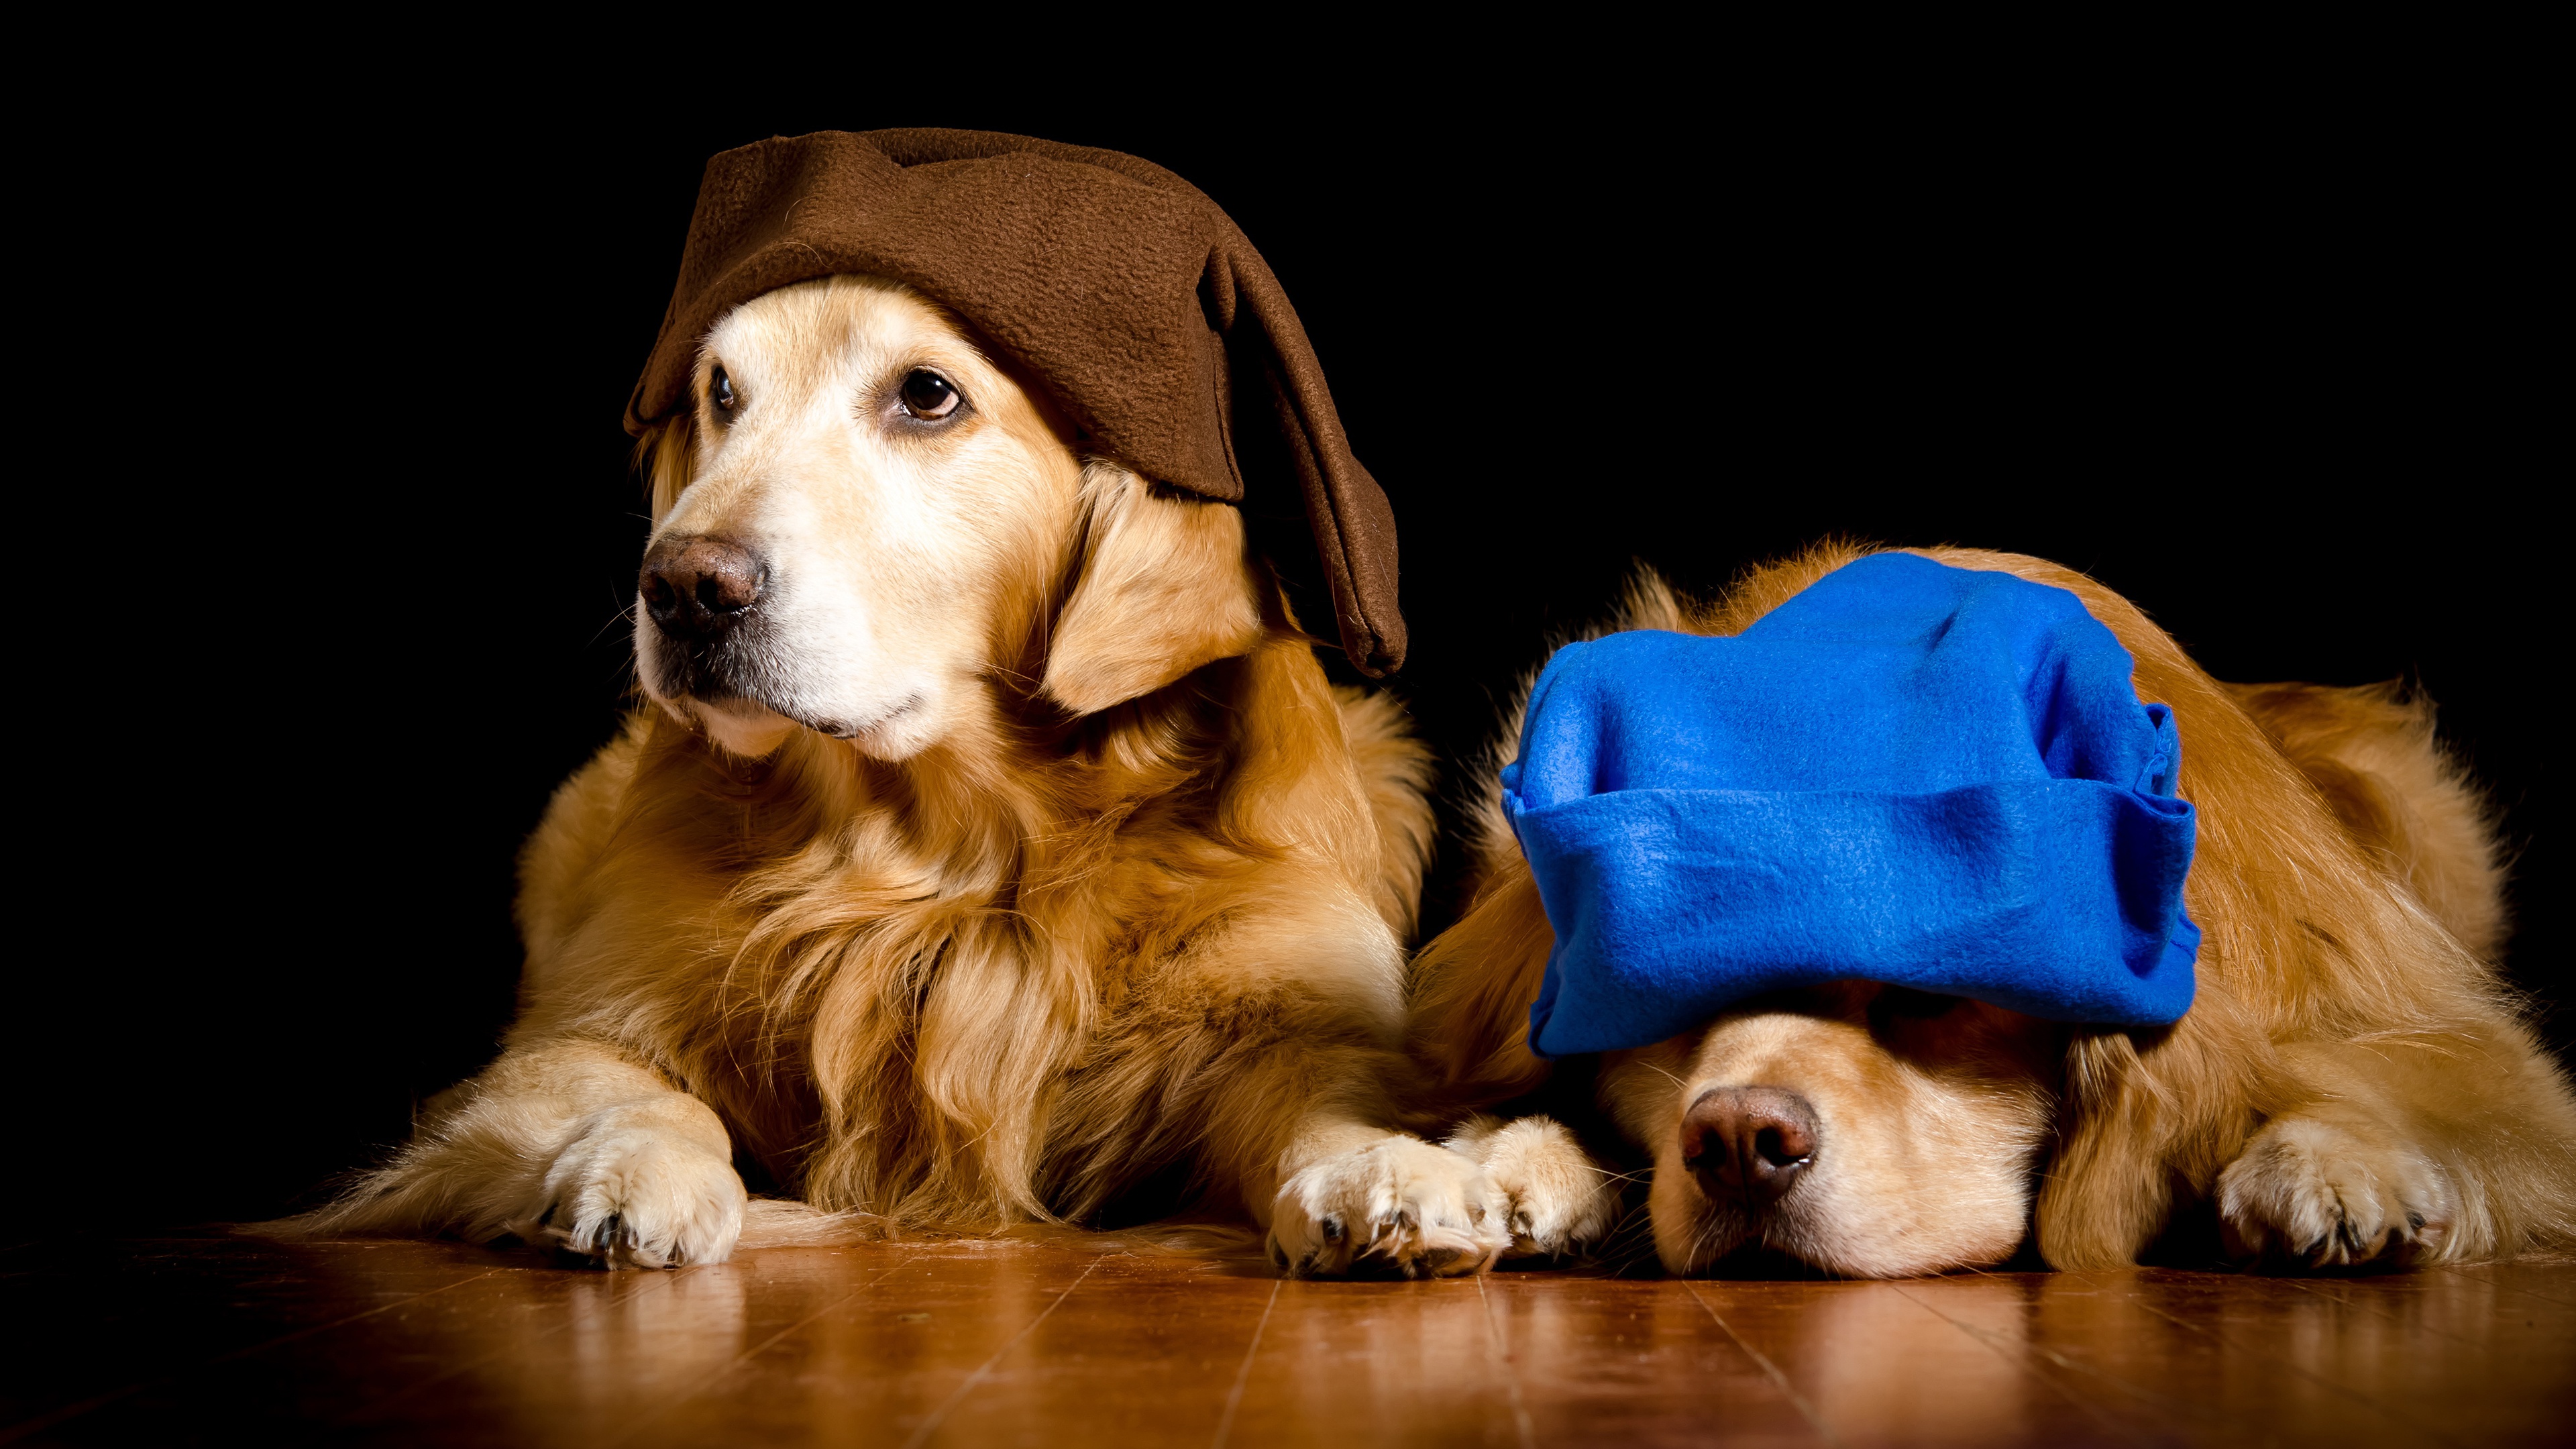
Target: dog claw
x=1376 y=1209
x=2349 y=1196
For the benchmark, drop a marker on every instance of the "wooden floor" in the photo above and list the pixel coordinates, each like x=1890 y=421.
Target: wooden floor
x=172 y=1341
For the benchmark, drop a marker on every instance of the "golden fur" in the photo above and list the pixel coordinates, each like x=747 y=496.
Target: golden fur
x=1035 y=856
x=2351 y=1082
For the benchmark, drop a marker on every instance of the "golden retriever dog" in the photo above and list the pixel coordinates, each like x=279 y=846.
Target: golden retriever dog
x=990 y=842
x=2352 y=1083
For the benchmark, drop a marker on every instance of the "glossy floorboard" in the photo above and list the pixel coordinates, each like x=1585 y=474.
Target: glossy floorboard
x=214 y=1340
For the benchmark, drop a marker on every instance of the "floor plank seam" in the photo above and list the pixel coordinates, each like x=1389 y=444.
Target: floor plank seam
x=1243 y=1372
x=1987 y=1339
x=647 y=1282
x=1778 y=1379
x=2362 y=1304
x=646 y=1416
x=433 y=1343
x=2464 y=1270
x=930 y=1425
x=1501 y=1351
x=2311 y=1376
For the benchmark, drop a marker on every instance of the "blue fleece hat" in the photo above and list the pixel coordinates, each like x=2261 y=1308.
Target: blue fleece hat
x=1929 y=776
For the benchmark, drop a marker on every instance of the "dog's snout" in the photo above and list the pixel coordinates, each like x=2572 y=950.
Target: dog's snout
x=697 y=587
x=1752 y=1143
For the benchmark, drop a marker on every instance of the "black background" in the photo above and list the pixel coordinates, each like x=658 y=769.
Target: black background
x=339 y=424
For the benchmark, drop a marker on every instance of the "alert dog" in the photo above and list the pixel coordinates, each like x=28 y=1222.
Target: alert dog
x=2352 y=1083
x=990 y=841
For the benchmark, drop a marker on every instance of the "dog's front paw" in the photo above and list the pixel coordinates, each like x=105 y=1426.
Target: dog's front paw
x=1398 y=1204
x=1554 y=1199
x=2325 y=1194
x=637 y=1195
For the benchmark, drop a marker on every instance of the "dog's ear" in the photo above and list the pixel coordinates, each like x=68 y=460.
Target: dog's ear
x=1165 y=588
x=665 y=457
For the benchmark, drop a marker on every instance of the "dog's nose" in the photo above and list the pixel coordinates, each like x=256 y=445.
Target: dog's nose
x=698 y=587
x=1749 y=1142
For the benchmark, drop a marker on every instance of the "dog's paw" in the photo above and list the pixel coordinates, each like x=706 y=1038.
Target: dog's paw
x=2326 y=1194
x=1554 y=1199
x=637 y=1195
x=1398 y=1205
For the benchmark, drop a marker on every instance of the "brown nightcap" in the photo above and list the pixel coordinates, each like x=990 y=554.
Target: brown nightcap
x=1137 y=302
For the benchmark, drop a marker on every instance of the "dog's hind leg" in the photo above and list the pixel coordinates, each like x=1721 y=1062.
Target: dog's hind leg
x=572 y=1144
x=2445 y=1140
x=2371 y=752
x=2458 y=1146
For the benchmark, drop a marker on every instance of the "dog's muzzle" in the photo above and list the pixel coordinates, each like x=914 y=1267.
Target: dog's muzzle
x=703 y=595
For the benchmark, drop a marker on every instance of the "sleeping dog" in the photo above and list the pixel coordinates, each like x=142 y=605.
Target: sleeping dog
x=2351 y=1084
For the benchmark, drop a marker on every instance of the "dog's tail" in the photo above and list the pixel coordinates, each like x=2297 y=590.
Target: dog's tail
x=771 y=1222
x=777 y=1222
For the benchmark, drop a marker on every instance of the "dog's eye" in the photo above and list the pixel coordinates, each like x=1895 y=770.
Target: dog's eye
x=720 y=391
x=928 y=395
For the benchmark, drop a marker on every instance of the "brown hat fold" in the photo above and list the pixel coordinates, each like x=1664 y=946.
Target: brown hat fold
x=1138 y=302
